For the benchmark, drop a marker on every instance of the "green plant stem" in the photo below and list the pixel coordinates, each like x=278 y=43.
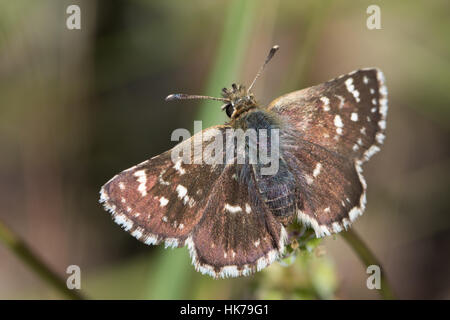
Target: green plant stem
x=368 y=258
x=235 y=38
x=24 y=253
x=306 y=48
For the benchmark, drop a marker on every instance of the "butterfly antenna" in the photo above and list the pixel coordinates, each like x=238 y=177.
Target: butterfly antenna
x=272 y=52
x=183 y=96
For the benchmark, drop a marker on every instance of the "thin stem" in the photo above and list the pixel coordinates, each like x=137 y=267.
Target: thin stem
x=24 y=253
x=368 y=258
x=306 y=50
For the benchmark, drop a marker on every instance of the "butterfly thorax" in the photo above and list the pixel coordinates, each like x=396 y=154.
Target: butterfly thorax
x=240 y=99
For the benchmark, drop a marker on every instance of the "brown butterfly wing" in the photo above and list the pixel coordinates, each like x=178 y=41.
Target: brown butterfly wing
x=330 y=130
x=228 y=231
x=162 y=201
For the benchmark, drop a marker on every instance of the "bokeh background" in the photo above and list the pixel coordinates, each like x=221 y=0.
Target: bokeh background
x=78 y=106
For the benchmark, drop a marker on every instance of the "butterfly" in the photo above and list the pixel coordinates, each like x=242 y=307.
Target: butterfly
x=233 y=218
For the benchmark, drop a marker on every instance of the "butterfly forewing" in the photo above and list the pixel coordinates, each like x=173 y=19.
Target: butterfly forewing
x=159 y=200
x=346 y=115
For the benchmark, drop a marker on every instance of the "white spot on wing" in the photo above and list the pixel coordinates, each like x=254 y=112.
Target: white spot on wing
x=354 y=213
x=336 y=227
x=181 y=190
x=170 y=242
x=123 y=221
x=351 y=89
x=338 y=121
x=103 y=196
x=137 y=233
x=142 y=179
x=178 y=167
x=182 y=194
x=320 y=230
x=161 y=180
x=369 y=153
x=341 y=101
x=380 y=137
x=383 y=108
x=232 y=209
x=163 y=202
x=317 y=169
x=326 y=103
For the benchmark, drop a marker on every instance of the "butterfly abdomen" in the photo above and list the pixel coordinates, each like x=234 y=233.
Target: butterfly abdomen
x=278 y=190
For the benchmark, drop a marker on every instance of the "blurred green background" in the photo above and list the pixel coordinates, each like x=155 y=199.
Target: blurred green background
x=78 y=106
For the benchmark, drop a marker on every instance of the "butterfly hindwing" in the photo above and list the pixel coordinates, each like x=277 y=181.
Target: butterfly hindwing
x=332 y=190
x=238 y=234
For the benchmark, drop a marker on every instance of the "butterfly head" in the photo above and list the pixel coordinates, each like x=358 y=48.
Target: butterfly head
x=239 y=100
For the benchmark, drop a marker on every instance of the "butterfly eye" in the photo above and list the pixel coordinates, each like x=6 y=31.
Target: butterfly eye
x=229 y=110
